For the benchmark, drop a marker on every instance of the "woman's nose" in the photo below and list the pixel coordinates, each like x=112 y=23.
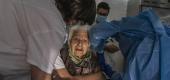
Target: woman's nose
x=79 y=43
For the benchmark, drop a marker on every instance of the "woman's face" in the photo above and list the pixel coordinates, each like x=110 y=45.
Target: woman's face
x=79 y=43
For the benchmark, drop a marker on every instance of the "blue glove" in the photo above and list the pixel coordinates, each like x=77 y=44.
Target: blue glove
x=104 y=67
x=107 y=69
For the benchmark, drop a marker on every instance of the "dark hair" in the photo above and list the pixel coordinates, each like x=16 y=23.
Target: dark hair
x=83 y=11
x=103 y=5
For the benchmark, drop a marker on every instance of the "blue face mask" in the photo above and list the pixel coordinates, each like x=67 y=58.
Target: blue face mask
x=100 y=18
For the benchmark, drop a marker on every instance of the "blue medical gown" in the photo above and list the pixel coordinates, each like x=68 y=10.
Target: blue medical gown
x=140 y=40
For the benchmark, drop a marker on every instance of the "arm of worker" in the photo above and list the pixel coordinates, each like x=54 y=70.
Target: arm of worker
x=94 y=76
x=63 y=74
x=37 y=74
x=40 y=74
x=43 y=52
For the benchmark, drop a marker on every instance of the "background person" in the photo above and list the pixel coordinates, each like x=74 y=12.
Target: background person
x=112 y=55
x=103 y=9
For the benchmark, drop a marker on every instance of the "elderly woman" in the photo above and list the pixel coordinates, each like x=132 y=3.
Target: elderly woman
x=76 y=54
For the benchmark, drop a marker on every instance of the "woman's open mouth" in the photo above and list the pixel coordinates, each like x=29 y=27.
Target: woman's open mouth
x=79 y=49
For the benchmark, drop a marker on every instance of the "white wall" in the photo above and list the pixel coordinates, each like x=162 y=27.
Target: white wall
x=133 y=7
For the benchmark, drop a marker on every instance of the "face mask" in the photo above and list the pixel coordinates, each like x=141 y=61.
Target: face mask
x=100 y=18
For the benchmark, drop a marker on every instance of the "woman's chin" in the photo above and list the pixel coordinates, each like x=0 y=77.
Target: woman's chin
x=81 y=57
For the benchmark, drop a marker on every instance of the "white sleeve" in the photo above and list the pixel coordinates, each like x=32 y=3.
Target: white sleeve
x=44 y=32
x=44 y=50
x=59 y=64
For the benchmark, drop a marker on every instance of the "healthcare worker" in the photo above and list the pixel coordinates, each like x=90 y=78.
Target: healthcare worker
x=138 y=38
x=32 y=32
